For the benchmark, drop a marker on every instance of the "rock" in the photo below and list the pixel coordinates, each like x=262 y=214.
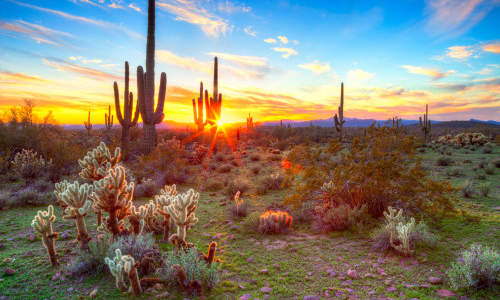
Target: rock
x=264 y=271
x=250 y=259
x=309 y=274
x=245 y=297
x=381 y=272
x=391 y=289
x=70 y=289
x=266 y=290
x=425 y=285
x=65 y=236
x=435 y=280
x=276 y=266
x=93 y=293
x=2 y=246
x=347 y=282
x=311 y=298
x=28 y=253
x=241 y=286
x=9 y=271
x=331 y=273
x=31 y=237
x=446 y=293
x=388 y=281
x=163 y=295
x=352 y=273
x=56 y=276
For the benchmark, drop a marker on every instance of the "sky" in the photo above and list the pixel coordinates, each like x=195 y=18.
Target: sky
x=278 y=59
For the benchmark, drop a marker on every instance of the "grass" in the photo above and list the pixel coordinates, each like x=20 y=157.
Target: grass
x=297 y=264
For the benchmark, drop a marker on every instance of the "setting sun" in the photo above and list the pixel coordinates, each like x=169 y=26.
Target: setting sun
x=220 y=123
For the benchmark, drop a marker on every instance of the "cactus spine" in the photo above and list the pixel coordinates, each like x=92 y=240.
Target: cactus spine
x=425 y=124
x=339 y=121
x=88 y=125
x=127 y=120
x=42 y=223
x=146 y=87
x=108 y=119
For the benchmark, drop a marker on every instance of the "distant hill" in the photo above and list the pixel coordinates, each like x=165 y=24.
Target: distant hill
x=350 y=122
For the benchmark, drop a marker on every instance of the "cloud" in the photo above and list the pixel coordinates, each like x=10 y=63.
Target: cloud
x=270 y=41
x=250 y=31
x=287 y=52
x=187 y=11
x=36 y=32
x=66 y=66
x=114 y=5
x=283 y=39
x=460 y=52
x=358 y=75
x=187 y=63
x=454 y=17
x=493 y=47
x=484 y=71
x=316 y=67
x=7 y=77
x=253 y=61
x=230 y=7
x=132 y=6
x=81 y=19
x=435 y=74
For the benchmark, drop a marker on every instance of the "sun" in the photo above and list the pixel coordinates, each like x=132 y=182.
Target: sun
x=220 y=123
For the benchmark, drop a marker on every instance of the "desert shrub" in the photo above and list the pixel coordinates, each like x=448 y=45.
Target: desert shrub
x=467 y=161
x=467 y=189
x=484 y=189
x=194 y=268
x=496 y=163
x=481 y=175
x=255 y=157
x=382 y=168
x=482 y=164
x=90 y=261
x=255 y=170
x=251 y=223
x=147 y=188
x=269 y=182
x=213 y=185
x=237 y=185
x=304 y=213
x=487 y=149
x=275 y=222
x=275 y=157
x=134 y=245
x=478 y=267
x=28 y=165
x=239 y=208
x=29 y=196
x=212 y=167
x=455 y=172
x=490 y=170
x=225 y=168
x=219 y=157
x=444 y=161
x=236 y=162
x=339 y=217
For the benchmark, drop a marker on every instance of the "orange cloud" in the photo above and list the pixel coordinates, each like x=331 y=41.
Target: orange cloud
x=460 y=52
x=36 y=32
x=316 y=67
x=493 y=47
x=433 y=73
x=81 y=70
x=287 y=52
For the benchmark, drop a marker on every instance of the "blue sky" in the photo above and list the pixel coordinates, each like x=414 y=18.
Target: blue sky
x=278 y=59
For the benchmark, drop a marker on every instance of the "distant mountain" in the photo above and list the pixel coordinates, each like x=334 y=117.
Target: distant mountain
x=487 y=122
x=350 y=122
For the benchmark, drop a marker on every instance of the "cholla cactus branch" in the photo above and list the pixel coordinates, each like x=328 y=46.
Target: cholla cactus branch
x=96 y=164
x=239 y=202
x=116 y=268
x=42 y=223
x=163 y=200
x=130 y=269
x=75 y=198
x=399 y=230
x=28 y=165
x=182 y=212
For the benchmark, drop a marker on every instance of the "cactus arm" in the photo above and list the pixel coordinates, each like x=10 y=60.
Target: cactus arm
x=117 y=104
x=159 y=115
x=140 y=94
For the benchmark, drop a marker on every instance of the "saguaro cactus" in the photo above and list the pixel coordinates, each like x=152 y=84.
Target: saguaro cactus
x=198 y=111
x=88 y=125
x=77 y=203
x=182 y=212
x=425 y=124
x=146 y=87
x=125 y=119
x=215 y=104
x=108 y=119
x=339 y=121
x=249 y=122
x=42 y=223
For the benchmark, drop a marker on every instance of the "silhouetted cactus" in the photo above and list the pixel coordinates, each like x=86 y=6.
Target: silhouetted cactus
x=88 y=125
x=146 y=87
x=127 y=119
x=108 y=119
x=198 y=111
x=339 y=121
x=249 y=122
x=42 y=223
x=425 y=124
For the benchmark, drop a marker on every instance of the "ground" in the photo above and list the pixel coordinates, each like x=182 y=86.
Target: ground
x=290 y=266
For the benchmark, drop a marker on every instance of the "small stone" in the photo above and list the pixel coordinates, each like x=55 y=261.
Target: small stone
x=331 y=273
x=381 y=272
x=446 y=293
x=435 y=280
x=352 y=273
x=163 y=295
x=70 y=289
x=347 y=282
x=388 y=281
x=276 y=266
x=250 y=259
x=311 y=298
x=245 y=297
x=309 y=274
x=93 y=293
x=28 y=253
x=425 y=285
x=266 y=290
x=9 y=271
x=65 y=236
x=2 y=246
x=56 y=276
x=264 y=271
x=391 y=289
x=31 y=237
x=349 y=290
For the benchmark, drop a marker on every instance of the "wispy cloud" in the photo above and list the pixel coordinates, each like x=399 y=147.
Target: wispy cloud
x=188 y=11
x=7 y=77
x=66 y=66
x=492 y=47
x=132 y=6
x=36 y=32
x=454 y=17
x=231 y=7
x=460 y=52
x=435 y=74
x=283 y=39
x=316 y=67
x=115 y=5
x=250 y=31
x=188 y=63
x=253 y=61
x=270 y=41
x=287 y=52
x=358 y=75
x=80 y=19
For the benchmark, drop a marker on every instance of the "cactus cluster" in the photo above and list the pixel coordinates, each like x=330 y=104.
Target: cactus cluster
x=399 y=230
x=28 y=165
x=163 y=200
x=75 y=200
x=425 y=124
x=463 y=139
x=181 y=210
x=249 y=122
x=339 y=121
x=121 y=266
x=42 y=223
x=272 y=221
x=97 y=163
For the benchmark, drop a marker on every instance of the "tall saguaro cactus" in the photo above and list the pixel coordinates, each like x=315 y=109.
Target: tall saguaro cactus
x=146 y=87
x=198 y=111
x=249 y=122
x=339 y=121
x=214 y=105
x=425 y=124
x=108 y=119
x=88 y=125
x=126 y=120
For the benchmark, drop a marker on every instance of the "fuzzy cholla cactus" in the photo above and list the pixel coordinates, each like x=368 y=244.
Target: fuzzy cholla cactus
x=163 y=200
x=76 y=206
x=28 y=165
x=147 y=212
x=275 y=221
x=399 y=230
x=239 y=202
x=96 y=164
x=114 y=195
x=122 y=265
x=182 y=212
x=42 y=223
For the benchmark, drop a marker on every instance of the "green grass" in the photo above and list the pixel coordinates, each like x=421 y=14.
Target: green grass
x=297 y=263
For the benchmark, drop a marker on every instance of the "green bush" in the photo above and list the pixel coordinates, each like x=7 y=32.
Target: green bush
x=468 y=189
x=339 y=217
x=90 y=261
x=238 y=184
x=478 y=267
x=484 y=189
x=444 y=161
x=251 y=223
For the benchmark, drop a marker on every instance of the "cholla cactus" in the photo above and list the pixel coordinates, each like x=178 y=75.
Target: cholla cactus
x=96 y=164
x=77 y=204
x=131 y=271
x=239 y=202
x=116 y=268
x=28 y=165
x=148 y=213
x=113 y=195
x=182 y=212
x=42 y=223
x=392 y=218
x=399 y=230
x=163 y=200
x=275 y=221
